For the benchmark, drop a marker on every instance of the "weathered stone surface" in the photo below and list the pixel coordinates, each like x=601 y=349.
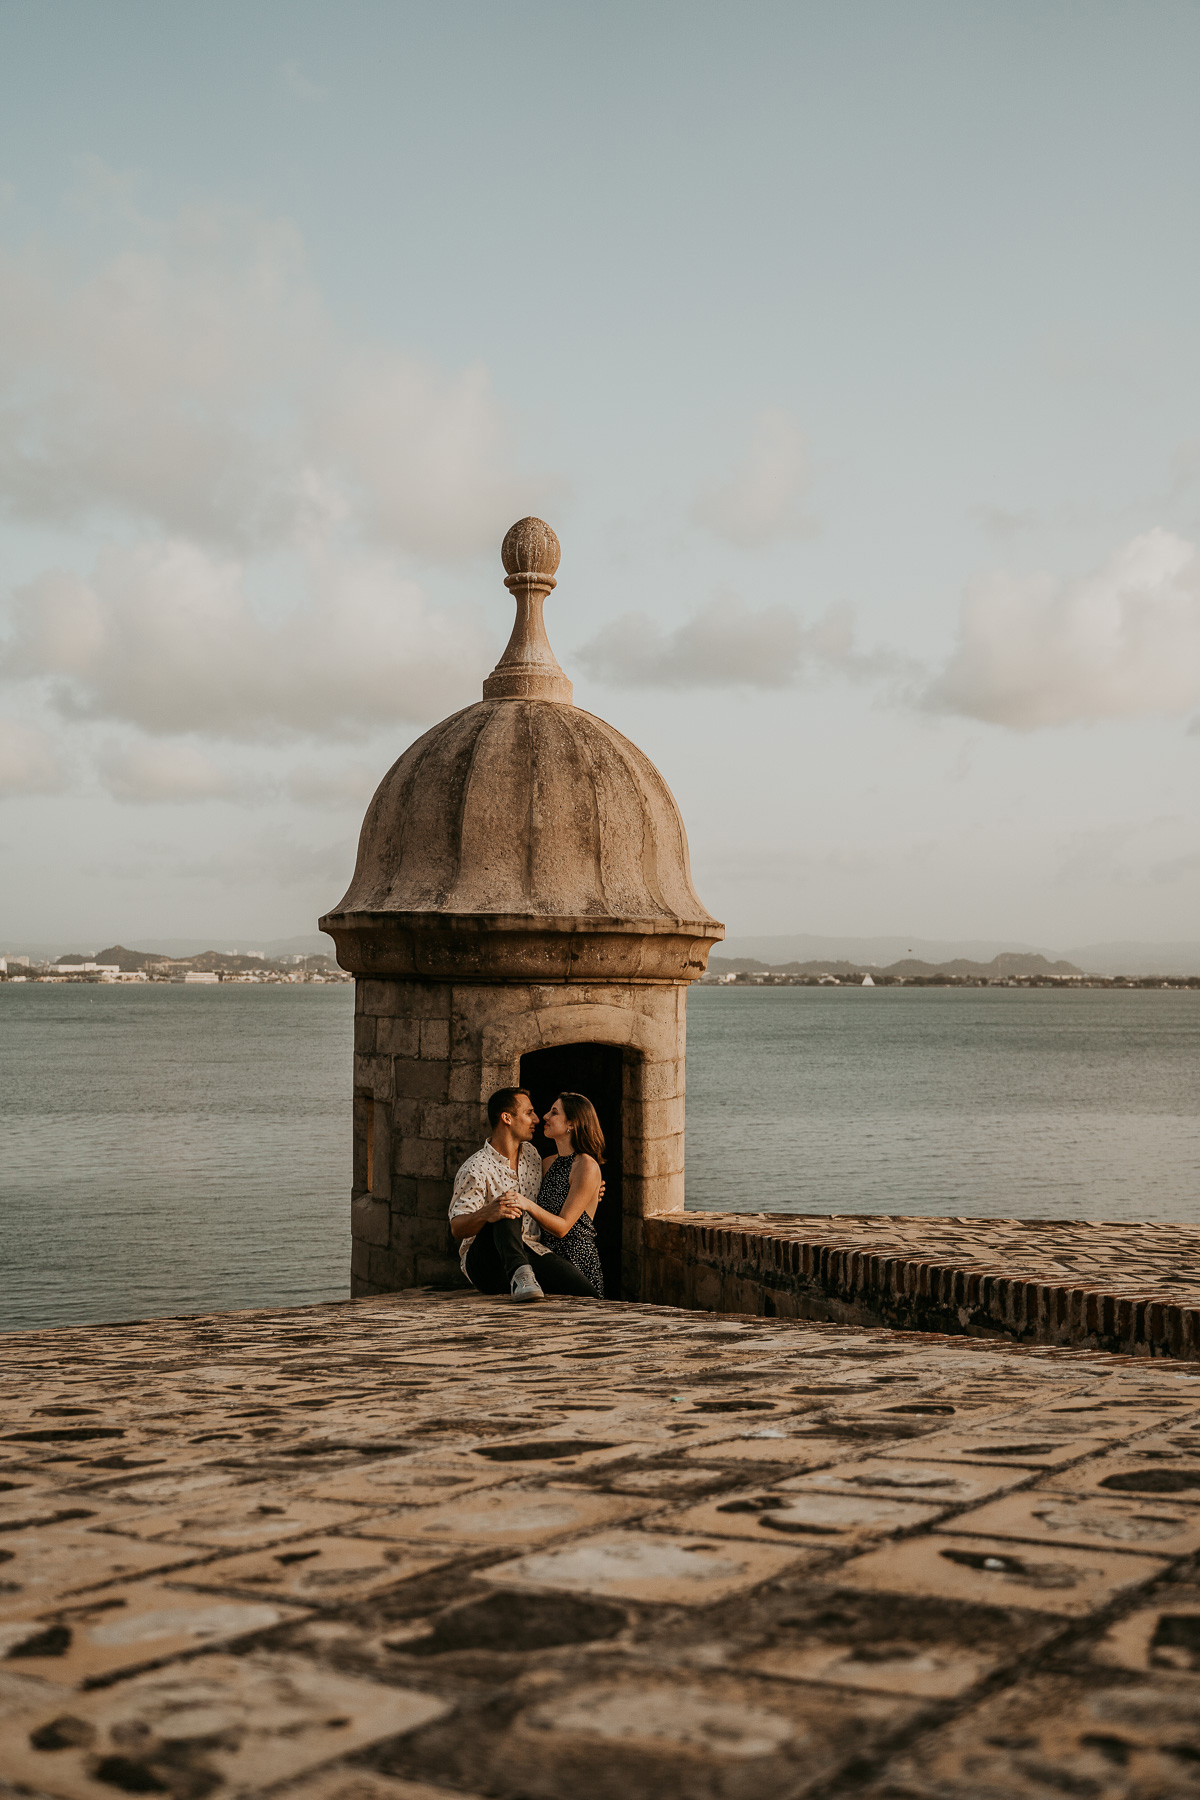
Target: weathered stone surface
x=216 y=1725
x=795 y=1516
x=597 y=1643
x=342 y=1783
x=992 y=1571
x=321 y=1571
x=523 y=839
x=1057 y=1736
x=43 y=1564
x=522 y=883
x=1128 y=1288
x=116 y=1629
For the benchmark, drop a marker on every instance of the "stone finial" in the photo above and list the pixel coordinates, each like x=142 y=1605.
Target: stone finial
x=529 y=670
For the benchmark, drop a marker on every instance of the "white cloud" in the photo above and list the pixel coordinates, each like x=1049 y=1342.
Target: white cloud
x=196 y=384
x=727 y=643
x=724 y=644
x=763 y=499
x=172 y=773
x=1122 y=641
x=170 y=638
x=422 y=459
x=29 y=762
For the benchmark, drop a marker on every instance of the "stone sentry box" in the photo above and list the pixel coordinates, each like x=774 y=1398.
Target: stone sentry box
x=521 y=911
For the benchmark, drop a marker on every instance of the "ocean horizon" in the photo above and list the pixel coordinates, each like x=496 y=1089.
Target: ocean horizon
x=175 y=1149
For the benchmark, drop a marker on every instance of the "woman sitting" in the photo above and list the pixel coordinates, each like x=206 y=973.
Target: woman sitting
x=571 y=1190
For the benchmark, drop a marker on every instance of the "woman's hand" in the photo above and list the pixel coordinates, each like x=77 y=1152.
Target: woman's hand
x=504 y=1206
x=488 y=1212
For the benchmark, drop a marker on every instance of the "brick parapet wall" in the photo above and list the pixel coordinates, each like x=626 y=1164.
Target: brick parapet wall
x=937 y=1281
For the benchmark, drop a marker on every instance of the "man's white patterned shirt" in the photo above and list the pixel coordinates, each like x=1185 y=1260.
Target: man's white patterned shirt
x=487 y=1175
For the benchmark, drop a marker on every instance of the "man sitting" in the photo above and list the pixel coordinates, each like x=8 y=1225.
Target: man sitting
x=498 y=1241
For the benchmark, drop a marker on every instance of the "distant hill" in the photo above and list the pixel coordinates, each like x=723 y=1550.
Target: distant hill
x=183 y=949
x=126 y=960
x=1009 y=962
x=1138 y=959
x=206 y=961
x=873 y=952
x=1132 y=957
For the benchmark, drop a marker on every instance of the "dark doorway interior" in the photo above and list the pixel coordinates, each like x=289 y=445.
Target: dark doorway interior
x=594 y=1070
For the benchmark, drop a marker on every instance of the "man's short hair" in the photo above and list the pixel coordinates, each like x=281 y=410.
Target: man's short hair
x=504 y=1100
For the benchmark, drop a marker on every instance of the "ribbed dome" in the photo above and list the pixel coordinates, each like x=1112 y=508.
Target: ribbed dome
x=525 y=807
x=522 y=838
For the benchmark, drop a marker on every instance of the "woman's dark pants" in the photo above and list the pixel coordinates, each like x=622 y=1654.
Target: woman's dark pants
x=498 y=1251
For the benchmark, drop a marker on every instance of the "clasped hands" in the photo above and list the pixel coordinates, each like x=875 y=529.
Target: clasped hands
x=509 y=1205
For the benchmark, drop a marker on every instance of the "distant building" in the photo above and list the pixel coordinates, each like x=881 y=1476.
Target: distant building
x=204 y=975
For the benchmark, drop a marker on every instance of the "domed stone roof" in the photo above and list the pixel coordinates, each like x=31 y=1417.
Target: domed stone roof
x=523 y=838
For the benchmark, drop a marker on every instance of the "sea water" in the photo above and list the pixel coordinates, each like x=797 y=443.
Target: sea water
x=171 y=1149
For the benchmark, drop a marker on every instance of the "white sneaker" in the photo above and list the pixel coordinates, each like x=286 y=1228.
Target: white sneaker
x=524 y=1285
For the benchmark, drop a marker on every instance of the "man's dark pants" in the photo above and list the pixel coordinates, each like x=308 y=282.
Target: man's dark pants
x=498 y=1251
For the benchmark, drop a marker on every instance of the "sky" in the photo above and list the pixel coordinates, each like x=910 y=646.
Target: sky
x=851 y=350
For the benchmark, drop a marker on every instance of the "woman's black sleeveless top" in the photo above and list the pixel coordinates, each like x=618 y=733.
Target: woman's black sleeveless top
x=579 y=1245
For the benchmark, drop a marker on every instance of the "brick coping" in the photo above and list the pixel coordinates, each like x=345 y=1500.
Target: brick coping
x=1132 y=1288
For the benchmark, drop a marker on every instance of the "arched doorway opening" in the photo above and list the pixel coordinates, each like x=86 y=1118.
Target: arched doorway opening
x=596 y=1070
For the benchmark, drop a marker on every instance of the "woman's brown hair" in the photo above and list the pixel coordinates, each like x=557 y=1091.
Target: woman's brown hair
x=586 y=1134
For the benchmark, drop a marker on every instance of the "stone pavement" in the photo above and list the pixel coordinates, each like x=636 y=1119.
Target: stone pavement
x=1129 y=1288
x=431 y=1544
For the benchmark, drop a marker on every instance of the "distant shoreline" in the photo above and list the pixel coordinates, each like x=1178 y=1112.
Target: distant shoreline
x=872 y=978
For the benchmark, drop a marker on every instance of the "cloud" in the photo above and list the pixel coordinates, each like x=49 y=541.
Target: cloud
x=727 y=643
x=422 y=459
x=763 y=499
x=335 y=789
x=1152 y=851
x=1007 y=522
x=29 y=762
x=271 y=858
x=277 y=858
x=173 y=773
x=195 y=384
x=1120 y=642
x=170 y=638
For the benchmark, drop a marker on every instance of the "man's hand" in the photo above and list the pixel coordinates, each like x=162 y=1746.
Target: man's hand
x=504 y=1206
x=489 y=1212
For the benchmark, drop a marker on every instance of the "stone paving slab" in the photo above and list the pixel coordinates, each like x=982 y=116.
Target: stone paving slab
x=1128 y=1288
x=433 y=1544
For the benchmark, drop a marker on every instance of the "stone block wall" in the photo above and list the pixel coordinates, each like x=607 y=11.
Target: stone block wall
x=426 y=1057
